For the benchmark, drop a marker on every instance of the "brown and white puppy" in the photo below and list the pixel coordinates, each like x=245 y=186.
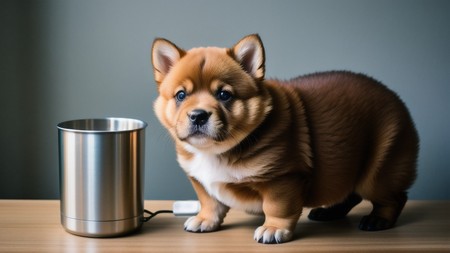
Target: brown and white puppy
x=322 y=140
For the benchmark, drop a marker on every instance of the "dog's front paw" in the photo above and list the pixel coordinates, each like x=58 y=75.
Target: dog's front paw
x=198 y=224
x=271 y=235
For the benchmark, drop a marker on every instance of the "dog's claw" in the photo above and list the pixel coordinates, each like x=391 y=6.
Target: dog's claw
x=272 y=235
x=198 y=225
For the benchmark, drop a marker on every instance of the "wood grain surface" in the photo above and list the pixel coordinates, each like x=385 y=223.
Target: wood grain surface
x=34 y=226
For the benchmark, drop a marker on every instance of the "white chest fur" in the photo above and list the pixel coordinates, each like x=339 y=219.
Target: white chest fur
x=214 y=173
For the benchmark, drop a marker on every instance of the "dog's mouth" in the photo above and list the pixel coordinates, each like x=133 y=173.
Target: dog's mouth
x=202 y=135
x=198 y=132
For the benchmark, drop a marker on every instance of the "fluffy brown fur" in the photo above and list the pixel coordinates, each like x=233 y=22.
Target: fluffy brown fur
x=323 y=140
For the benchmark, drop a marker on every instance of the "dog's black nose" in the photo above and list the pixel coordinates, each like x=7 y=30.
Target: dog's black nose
x=199 y=117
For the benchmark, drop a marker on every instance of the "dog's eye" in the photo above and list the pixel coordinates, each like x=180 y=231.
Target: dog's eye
x=224 y=95
x=180 y=96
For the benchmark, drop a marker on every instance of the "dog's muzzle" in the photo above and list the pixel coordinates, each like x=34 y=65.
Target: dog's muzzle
x=199 y=126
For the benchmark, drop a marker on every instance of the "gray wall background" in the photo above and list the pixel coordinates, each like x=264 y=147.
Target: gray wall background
x=62 y=60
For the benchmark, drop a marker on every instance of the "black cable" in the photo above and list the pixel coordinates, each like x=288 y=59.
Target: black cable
x=153 y=214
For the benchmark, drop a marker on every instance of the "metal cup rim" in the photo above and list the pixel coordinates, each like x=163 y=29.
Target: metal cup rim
x=121 y=125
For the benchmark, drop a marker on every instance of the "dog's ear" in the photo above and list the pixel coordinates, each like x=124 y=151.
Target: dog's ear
x=249 y=52
x=164 y=55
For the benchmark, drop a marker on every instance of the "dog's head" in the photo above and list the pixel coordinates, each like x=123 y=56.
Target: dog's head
x=210 y=98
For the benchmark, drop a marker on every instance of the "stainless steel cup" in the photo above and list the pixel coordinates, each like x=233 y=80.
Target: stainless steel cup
x=101 y=164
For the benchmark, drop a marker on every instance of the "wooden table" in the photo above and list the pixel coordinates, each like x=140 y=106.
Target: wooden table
x=34 y=226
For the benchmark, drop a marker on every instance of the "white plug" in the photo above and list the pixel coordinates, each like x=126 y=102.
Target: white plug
x=186 y=208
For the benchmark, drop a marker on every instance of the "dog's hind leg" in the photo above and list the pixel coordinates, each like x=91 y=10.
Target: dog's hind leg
x=337 y=211
x=384 y=214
